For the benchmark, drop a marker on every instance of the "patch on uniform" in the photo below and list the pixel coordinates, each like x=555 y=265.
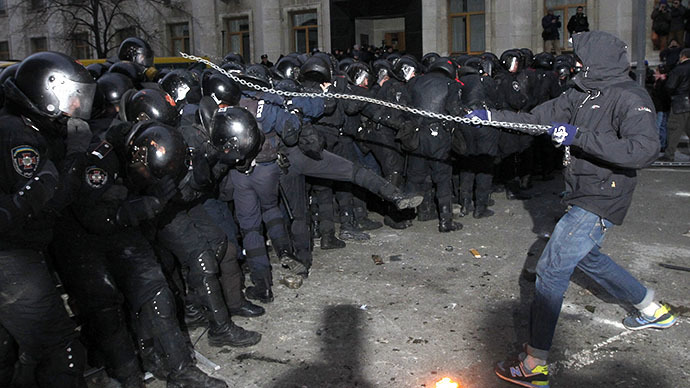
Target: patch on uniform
x=102 y=150
x=25 y=160
x=516 y=86
x=96 y=177
x=644 y=109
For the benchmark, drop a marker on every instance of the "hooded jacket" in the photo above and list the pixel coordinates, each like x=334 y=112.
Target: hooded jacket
x=616 y=127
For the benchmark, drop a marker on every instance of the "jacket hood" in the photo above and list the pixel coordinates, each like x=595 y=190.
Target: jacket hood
x=604 y=58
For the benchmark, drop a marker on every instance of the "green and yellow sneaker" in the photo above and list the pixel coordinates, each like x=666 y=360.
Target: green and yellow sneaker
x=662 y=319
x=517 y=373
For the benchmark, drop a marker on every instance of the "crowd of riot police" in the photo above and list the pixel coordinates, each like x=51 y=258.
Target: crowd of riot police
x=147 y=195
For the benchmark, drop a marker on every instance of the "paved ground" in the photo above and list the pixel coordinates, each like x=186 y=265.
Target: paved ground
x=433 y=310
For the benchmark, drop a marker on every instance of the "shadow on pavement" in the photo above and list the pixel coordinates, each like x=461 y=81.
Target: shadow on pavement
x=339 y=363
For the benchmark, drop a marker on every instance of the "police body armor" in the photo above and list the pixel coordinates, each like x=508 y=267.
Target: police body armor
x=269 y=149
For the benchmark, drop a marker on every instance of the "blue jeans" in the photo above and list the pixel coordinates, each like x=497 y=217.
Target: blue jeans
x=661 y=123
x=575 y=242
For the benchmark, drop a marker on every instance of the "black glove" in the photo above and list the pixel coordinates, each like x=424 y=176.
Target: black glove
x=78 y=136
x=164 y=190
x=201 y=171
x=39 y=189
x=132 y=212
x=310 y=143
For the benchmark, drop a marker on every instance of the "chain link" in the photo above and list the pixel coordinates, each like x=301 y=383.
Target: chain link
x=531 y=129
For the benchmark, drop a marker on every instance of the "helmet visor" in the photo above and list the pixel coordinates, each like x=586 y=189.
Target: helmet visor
x=512 y=64
x=74 y=98
x=143 y=59
x=362 y=78
x=408 y=71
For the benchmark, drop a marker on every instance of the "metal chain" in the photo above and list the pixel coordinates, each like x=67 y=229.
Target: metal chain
x=531 y=129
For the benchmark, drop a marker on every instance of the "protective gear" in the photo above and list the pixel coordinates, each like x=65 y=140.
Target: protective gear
x=407 y=67
x=113 y=86
x=37 y=191
x=316 y=69
x=562 y=134
x=233 y=67
x=222 y=89
x=445 y=66
x=383 y=68
x=512 y=60
x=544 y=61
x=359 y=74
x=78 y=136
x=289 y=85
x=446 y=223
x=132 y=212
x=51 y=84
x=258 y=74
x=345 y=63
x=235 y=133
x=136 y=50
x=179 y=84
x=287 y=68
x=233 y=58
x=428 y=59
x=528 y=57
x=150 y=104
x=155 y=151
x=9 y=72
x=133 y=71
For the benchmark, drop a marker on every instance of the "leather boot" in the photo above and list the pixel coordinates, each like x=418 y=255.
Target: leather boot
x=193 y=317
x=481 y=211
x=290 y=262
x=261 y=290
x=348 y=228
x=376 y=184
x=329 y=241
x=315 y=231
x=466 y=204
x=446 y=223
x=130 y=375
x=363 y=222
x=229 y=334
x=192 y=377
x=391 y=223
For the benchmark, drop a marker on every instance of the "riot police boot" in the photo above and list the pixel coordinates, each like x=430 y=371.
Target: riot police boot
x=466 y=204
x=129 y=375
x=363 y=222
x=391 y=223
x=446 y=223
x=193 y=317
x=229 y=334
x=315 y=231
x=526 y=182
x=427 y=210
x=513 y=192
x=192 y=377
x=261 y=290
x=348 y=228
x=329 y=241
x=376 y=184
x=482 y=211
x=291 y=263
x=247 y=309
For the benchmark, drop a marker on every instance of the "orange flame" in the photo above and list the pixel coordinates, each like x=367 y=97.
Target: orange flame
x=446 y=382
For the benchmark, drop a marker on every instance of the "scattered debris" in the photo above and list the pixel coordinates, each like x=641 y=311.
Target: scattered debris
x=377 y=259
x=395 y=258
x=449 y=248
x=363 y=307
x=292 y=281
x=590 y=308
x=676 y=267
x=475 y=253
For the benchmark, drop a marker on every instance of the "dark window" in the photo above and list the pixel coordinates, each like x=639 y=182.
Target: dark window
x=80 y=46
x=39 y=44
x=466 y=26
x=4 y=50
x=37 y=5
x=3 y=7
x=179 y=38
x=305 y=31
x=238 y=36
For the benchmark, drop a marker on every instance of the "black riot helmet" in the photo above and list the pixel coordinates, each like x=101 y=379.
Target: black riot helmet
x=258 y=74
x=233 y=67
x=316 y=69
x=528 y=57
x=445 y=66
x=328 y=58
x=234 y=57
x=178 y=84
x=429 y=58
x=287 y=68
x=512 y=60
x=113 y=86
x=96 y=69
x=382 y=69
x=155 y=151
x=8 y=72
x=544 y=61
x=134 y=71
x=289 y=85
x=235 y=133
x=222 y=89
x=51 y=85
x=393 y=58
x=564 y=70
x=359 y=74
x=136 y=50
x=150 y=104
x=344 y=63
x=407 y=67
x=471 y=65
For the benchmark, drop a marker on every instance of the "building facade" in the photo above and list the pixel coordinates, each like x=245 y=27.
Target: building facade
x=254 y=27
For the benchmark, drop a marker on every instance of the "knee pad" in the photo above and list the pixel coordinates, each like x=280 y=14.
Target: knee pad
x=162 y=305
x=63 y=367
x=206 y=263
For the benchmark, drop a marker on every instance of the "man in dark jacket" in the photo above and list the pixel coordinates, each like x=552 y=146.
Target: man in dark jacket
x=661 y=24
x=551 y=24
x=609 y=123
x=678 y=86
x=578 y=22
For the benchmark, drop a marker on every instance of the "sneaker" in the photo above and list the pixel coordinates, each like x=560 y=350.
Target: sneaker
x=662 y=319
x=516 y=373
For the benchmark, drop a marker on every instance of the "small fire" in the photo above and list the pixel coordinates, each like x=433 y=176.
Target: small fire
x=446 y=382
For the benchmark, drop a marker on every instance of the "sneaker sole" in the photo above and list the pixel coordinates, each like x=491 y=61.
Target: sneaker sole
x=234 y=345
x=520 y=383
x=410 y=203
x=657 y=326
